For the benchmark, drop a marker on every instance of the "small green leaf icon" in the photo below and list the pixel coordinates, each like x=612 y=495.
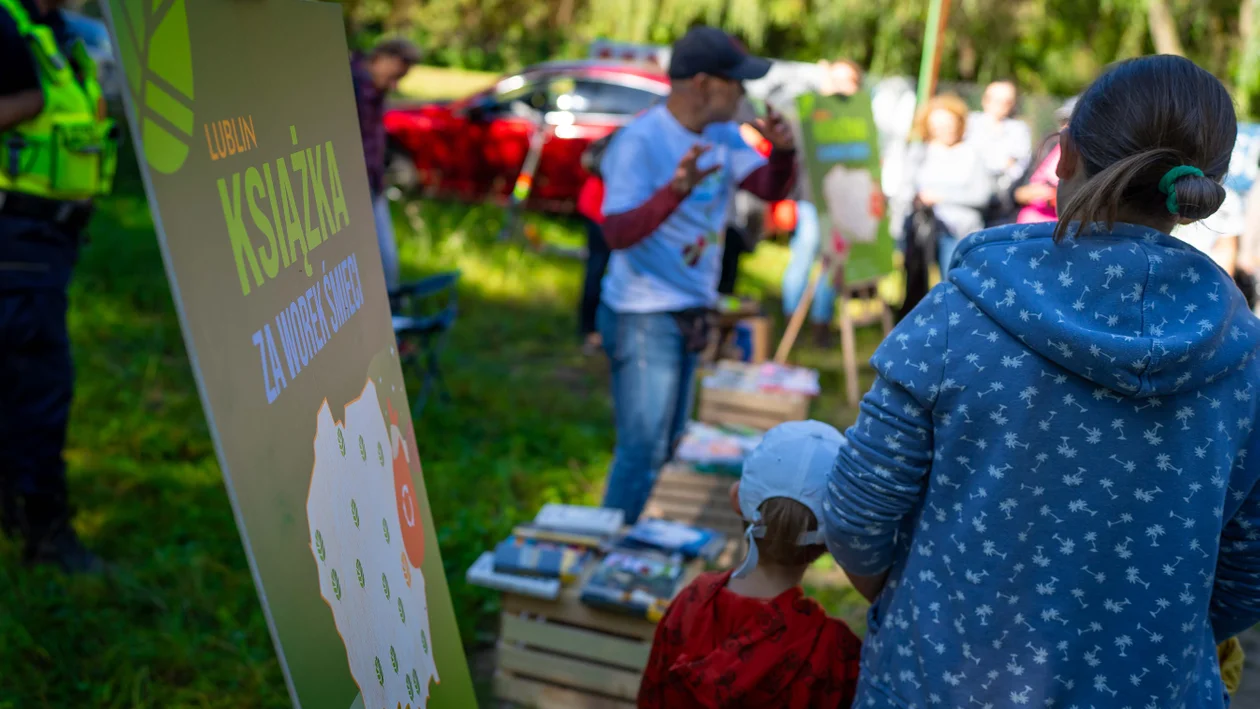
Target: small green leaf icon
x=411 y=688
x=358 y=566
x=319 y=545
x=385 y=583
x=402 y=615
x=336 y=584
x=362 y=449
x=354 y=512
x=380 y=453
x=415 y=678
x=424 y=642
x=341 y=442
x=380 y=676
x=385 y=526
x=393 y=658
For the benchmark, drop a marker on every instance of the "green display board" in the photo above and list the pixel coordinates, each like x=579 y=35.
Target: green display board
x=244 y=115
x=841 y=153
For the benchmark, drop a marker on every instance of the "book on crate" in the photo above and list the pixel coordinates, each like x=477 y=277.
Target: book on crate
x=482 y=573
x=675 y=538
x=634 y=582
x=594 y=521
x=529 y=557
x=716 y=449
x=577 y=539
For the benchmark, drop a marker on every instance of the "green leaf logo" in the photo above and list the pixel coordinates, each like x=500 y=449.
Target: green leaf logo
x=380 y=676
x=385 y=583
x=424 y=642
x=319 y=544
x=336 y=584
x=393 y=659
x=385 y=526
x=402 y=615
x=411 y=688
x=354 y=512
x=153 y=42
x=362 y=450
x=380 y=453
x=341 y=442
x=358 y=566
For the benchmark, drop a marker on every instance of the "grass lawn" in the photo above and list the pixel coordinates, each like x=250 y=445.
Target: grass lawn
x=180 y=625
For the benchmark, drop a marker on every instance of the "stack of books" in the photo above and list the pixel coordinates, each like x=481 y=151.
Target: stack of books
x=674 y=538
x=717 y=449
x=640 y=583
x=539 y=558
x=767 y=378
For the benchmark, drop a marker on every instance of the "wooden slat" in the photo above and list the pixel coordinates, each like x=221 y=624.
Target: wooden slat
x=785 y=404
x=568 y=672
x=540 y=695
x=608 y=649
x=568 y=609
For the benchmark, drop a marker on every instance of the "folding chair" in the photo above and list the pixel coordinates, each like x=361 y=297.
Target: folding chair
x=424 y=312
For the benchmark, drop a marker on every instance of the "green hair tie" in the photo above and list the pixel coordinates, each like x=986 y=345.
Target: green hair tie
x=1168 y=182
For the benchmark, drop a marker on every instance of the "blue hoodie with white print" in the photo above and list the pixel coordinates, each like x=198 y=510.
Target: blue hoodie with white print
x=1058 y=463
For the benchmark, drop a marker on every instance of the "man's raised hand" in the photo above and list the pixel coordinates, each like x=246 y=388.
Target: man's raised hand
x=687 y=175
x=776 y=130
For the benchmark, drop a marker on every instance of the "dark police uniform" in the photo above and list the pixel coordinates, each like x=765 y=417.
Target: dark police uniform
x=51 y=166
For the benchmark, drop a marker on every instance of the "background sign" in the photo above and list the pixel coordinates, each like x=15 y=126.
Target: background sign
x=841 y=154
x=253 y=165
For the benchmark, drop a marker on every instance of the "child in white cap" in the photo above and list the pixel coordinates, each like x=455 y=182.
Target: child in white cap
x=750 y=637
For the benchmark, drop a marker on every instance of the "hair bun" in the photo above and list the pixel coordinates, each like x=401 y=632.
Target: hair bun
x=1198 y=196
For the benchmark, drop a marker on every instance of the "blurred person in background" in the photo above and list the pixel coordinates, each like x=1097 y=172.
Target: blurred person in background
x=1004 y=142
x=50 y=104
x=1248 y=274
x=947 y=187
x=1032 y=198
x=375 y=76
x=842 y=77
x=669 y=179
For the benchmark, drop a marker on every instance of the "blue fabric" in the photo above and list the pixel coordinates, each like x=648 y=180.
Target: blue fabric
x=385 y=240
x=805 y=245
x=652 y=383
x=946 y=245
x=1058 y=465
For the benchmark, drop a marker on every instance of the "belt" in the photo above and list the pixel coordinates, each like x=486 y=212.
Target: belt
x=68 y=215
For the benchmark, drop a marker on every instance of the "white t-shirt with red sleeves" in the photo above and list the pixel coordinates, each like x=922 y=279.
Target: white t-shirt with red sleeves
x=678 y=265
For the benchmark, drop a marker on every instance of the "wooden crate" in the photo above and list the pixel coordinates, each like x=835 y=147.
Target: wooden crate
x=684 y=495
x=564 y=654
x=756 y=409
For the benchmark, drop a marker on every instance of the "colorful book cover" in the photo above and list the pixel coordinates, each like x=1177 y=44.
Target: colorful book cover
x=634 y=582
x=527 y=557
x=581 y=519
x=482 y=573
x=577 y=539
x=675 y=538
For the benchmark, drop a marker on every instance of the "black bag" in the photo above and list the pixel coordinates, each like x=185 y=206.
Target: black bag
x=594 y=154
x=920 y=230
x=1249 y=286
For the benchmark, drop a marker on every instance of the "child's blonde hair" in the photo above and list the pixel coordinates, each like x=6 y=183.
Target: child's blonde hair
x=785 y=521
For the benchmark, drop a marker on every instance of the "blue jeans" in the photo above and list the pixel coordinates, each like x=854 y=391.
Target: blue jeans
x=805 y=245
x=652 y=386
x=946 y=245
x=385 y=240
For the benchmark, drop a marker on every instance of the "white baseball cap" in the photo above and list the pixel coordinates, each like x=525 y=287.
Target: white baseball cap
x=792 y=461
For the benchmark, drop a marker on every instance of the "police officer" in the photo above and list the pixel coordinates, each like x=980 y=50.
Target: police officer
x=57 y=152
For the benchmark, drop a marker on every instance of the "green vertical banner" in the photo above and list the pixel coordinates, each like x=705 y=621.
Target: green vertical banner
x=248 y=137
x=841 y=154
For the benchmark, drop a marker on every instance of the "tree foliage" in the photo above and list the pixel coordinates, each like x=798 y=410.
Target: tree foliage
x=1051 y=46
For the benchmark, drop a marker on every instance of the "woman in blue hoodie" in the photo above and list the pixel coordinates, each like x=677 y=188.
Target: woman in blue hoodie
x=1056 y=469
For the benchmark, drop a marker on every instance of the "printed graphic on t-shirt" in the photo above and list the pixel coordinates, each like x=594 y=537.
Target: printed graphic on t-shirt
x=692 y=253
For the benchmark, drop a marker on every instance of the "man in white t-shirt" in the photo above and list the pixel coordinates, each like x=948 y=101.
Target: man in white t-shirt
x=1003 y=140
x=669 y=178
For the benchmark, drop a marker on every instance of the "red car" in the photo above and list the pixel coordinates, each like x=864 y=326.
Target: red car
x=473 y=149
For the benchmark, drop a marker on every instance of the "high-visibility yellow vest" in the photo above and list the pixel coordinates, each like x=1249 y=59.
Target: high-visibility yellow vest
x=69 y=151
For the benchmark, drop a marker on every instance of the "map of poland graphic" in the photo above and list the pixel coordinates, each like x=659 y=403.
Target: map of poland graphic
x=368 y=542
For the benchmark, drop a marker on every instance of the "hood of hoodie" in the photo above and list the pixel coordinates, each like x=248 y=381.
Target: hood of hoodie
x=737 y=649
x=1128 y=308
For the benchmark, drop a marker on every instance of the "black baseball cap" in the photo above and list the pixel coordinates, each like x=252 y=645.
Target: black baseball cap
x=709 y=50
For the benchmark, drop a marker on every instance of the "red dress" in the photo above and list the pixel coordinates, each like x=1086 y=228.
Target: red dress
x=716 y=649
